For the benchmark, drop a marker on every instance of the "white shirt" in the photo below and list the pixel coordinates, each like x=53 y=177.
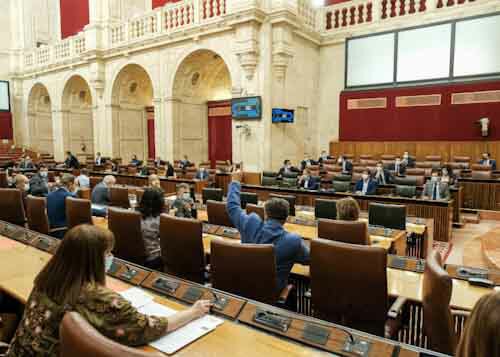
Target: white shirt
x=365 y=186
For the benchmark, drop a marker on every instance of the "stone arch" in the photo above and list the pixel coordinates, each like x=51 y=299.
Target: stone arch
x=200 y=77
x=40 y=119
x=78 y=126
x=131 y=100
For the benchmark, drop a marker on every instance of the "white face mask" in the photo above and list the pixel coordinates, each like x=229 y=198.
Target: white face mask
x=379 y=169
x=44 y=173
x=108 y=262
x=434 y=178
x=186 y=196
x=365 y=177
x=339 y=160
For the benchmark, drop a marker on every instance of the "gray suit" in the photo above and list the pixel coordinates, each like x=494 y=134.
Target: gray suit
x=100 y=194
x=443 y=188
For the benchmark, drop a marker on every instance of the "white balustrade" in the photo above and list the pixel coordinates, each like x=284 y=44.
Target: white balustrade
x=307 y=13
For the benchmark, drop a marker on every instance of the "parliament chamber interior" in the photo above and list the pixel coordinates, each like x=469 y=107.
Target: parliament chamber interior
x=250 y=178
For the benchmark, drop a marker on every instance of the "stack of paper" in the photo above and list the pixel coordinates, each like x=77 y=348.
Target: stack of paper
x=136 y=297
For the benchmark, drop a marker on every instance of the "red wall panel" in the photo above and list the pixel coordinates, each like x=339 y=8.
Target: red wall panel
x=450 y=122
x=220 y=133
x=6 y=131
x=74 y=16
x=331 y=2
x=158 y=3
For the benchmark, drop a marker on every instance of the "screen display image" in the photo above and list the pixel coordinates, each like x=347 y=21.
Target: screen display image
x=4 y=97
x=246 y=108
x=283 y=115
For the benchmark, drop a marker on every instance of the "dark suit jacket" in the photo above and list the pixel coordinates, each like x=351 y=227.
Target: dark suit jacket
x=99 y=161
x=312 y=184
x=444 y=190
x=402 y=169
x=26 y=165
x=304 y=164
x=136 y=162
x=372 y=187
x=291 y=169
x=159 y=163
x=56 y=207
x=410 y=162
x=493 y=163
x=39 y=186
x=100 y=194
x=170 y=171
x=348 y=166
x=202 y=175
x=72 y=162
x=320 y=160
x=387 y=176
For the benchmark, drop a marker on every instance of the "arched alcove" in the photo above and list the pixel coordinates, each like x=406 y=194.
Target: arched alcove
x=40 y=119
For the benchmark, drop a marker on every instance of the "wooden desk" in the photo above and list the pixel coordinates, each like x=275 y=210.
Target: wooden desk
x=480 y=194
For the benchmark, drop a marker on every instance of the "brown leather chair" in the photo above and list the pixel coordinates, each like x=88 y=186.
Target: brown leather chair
x=12 y=206
x=258 y=210
x=436 y=295
x=348 y=293
x=289 y=198
x=359 y=169
x=434 y=158
x=78 y=211
x=217 y=214
x=36 y=213
x=354 y=232
x=481 y=175
x=4 y=182
x=464 y=159
x=478 y=167
x=415 y=172
x=366 y=157
x=118 y=197
x=126 y=226
x=233 y=269
x=94 y=181
x=78 y=338
x=84 y=193
x=388 y=157
x=181 y=241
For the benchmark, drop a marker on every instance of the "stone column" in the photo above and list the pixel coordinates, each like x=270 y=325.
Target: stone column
x=168 y=134
x=58 y=133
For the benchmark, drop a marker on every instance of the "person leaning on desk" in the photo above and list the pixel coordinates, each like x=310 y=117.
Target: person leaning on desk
x=74 y=279
x=434 y=189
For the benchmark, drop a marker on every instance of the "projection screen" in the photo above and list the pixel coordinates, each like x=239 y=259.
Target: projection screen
x=4 y=96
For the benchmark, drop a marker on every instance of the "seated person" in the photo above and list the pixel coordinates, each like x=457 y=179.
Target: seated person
x=99 y=160
x=366 y=185
x=183 y=204
x=306 y=163
x=39 y=183
x=434 y=189
x=56 y=203
x=486 y=160
x=154 y=182
x=202 y=174
x=348 y=209
x=159 y=162
x=345 y=164
x=26 y=163
x=324 y=156
x=71 y=161
x=83 y=180
x=22 y=183
x=170 y=169
x=287 y=168
x=75 y=277
x=399 y=167
x=382 y=175
x=100 y=193
x=184 y=163
x=447 y=176
x=480 y=336
x=135 y=161
x=151 y=207
x=408 y=160
x=288 y=247
x=308 y=181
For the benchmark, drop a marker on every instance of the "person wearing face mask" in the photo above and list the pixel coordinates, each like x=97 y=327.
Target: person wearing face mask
x=56 y=204
x=22 y=183
x=382 y=176
x=39 y=183
x=26 y=163
x=345 y=164
x=366 y=185
x=434 y=189
x=324 y=156
x=308 y=182
x=287 y=168
x=399 y=167
x=306 y=163
x=447 y=176
x=183 y=204
x=408 y=160
x=486 y=160
x=74 y=279
x=202 y=174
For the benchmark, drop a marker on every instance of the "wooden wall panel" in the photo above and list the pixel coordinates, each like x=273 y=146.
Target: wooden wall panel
x=420 y=149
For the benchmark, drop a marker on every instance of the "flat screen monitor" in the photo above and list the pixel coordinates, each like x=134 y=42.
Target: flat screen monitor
x=4 y=96
x=283 y=115
x=246 y=108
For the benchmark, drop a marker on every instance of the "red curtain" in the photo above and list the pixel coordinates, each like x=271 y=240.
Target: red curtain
x=220 y=131
x=6 y=131
x=158 y=3
x=74 y=16
x=150 y=115
x=450 y=122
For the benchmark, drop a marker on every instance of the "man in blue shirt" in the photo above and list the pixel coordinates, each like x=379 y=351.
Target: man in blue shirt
x=289 y=248
x=56 y=203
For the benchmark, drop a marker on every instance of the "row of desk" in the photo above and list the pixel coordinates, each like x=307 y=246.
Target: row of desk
x=240 y=335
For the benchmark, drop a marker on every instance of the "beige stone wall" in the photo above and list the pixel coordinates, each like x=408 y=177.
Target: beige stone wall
x=39 y=115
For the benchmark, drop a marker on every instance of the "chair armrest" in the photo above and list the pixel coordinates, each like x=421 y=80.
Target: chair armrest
x=394 y=318
x=285 y=293
x=58 y=229
x=396 y=308
x=461 y=313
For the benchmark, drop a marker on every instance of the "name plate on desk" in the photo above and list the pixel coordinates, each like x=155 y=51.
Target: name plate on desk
x=210 y=228
x=475 y=276
x=192 y=294
x=405 y=263
x=228 y=232
x=316 y=334
x=272 y=320
x=131 y=274
x=46 y=244
x=166 y=285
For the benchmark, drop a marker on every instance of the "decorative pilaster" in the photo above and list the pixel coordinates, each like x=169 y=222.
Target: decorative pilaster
x=282 y=49
x=247 y=47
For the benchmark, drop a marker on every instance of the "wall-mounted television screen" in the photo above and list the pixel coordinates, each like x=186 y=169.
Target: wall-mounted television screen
x=283 y=115
x=246 y=108
x=4 y=96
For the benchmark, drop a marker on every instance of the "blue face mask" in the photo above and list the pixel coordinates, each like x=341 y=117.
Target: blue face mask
x=108 y=262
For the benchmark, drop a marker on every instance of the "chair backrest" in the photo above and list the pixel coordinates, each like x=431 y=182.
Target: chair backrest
x=94 y=181
x=366 y=157
x=4 y=182
x=388 y=216
x=478 y=167
x=464 y=159
x=438 y=158
x=36 y=213
x=269 y=174
x=78 y=338
x=126 y=226
x=481 y=175
x=353 y=232
x=354 y=295
x=293 y=175
x=359 y=169
x=288 y=182
x=388 y=157
x=406 y=181
x=217 y=214
x=291 y=201
x=341 y=186
x=12 y=206
x=78 y=211
x=213 y=194
x=258 y=210
x=269 y=181
x=415 y=172
x=406 y=191
x=436 y=296
x=342 y=177
x=325 y=208
x=181 y=241
x=118 y=197
x=234 y=269
x=248 y=197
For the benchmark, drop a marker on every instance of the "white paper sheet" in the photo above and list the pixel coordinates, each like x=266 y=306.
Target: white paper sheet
x=182 y=337
x=136 y=297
